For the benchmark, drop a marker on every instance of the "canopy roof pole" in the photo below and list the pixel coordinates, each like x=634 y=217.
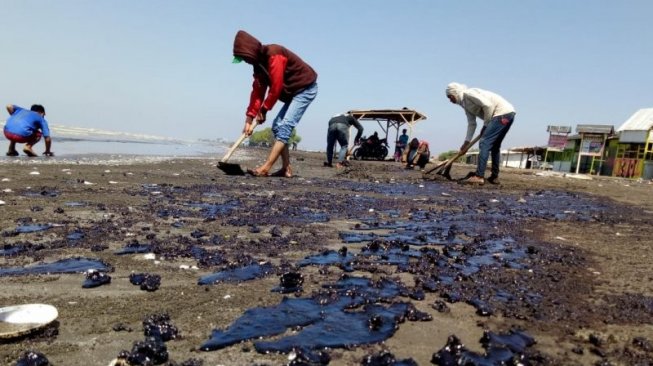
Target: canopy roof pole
x=397 y=134
x=409 y=123
x=385 y=130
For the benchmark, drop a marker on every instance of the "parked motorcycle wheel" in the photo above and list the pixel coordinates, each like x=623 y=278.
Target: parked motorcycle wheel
x=383 y=153
x=357 y=154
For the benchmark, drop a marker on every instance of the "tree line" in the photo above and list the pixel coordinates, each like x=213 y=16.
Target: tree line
x=265 y=137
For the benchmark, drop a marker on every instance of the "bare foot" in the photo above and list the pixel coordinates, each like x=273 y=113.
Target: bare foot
x=29 y=152
x=257 y=172
x=283 y=173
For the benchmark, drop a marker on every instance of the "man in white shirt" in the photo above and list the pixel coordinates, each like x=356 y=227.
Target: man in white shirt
x=497 y=115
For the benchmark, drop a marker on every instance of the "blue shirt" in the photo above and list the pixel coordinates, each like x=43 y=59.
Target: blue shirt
x=25 y=123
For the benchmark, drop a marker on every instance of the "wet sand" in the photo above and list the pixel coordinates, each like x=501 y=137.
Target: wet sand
x=579 y=283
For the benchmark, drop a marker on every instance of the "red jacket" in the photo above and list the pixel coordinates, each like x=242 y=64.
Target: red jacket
x=276 y=68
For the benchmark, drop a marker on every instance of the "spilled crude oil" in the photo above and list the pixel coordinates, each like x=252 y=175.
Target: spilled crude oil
x=75 y=235
x=500 y=349
x=45 y=192
x=301 y=357
x=386 y=358
x=160 y=326
x=95 y=278
x=24 y=229
x=290 y=282
x=152 y=350
x=463 y=249
x=32 y=358
x=147 y=281
x=70 y=265
x=134 y=248
x=341 y=259
x=239 y=274
x=10 y=250
x=467 y=249
x=342 y=329
x=345 y=314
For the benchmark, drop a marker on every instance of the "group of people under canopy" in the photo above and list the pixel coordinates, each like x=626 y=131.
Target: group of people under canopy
x=413 y=152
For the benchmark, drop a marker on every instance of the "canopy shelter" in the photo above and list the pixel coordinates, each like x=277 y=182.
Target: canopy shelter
x=389 y=119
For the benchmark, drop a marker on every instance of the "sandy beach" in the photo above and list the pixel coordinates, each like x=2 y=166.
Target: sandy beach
x=563 y=259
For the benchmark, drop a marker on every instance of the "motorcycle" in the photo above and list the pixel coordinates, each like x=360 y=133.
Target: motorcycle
x=368 y=149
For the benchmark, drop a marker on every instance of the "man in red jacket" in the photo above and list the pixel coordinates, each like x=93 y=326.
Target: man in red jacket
x=284 y=76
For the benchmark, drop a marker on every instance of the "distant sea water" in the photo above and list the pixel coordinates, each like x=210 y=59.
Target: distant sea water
x=83 y=145
x=76 y=147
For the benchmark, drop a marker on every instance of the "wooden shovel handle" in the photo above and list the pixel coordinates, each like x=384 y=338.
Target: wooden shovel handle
x=233 y=147
x=455 y=157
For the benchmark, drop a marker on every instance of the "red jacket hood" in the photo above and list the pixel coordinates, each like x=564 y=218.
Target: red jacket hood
x=246 y=46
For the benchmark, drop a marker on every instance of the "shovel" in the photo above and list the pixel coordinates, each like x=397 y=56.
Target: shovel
x=445 y=166
x=232 y=168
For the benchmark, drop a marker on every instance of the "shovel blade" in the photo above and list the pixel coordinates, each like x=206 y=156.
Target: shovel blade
x=444 y=171
x=445 y=174
x=231 y=168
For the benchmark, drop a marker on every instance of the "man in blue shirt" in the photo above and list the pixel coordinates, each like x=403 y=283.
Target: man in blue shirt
x=401 y=145
x=27 y=127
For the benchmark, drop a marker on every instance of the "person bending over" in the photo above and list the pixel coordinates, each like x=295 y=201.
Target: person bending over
x=27 y=127
x=339 y=126
x=497 y=115
x=282 y=75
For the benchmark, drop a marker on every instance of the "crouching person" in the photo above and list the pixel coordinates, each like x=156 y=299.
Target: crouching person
x=417 y=153
x=27 y=127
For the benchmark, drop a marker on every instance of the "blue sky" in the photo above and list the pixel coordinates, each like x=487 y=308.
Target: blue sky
x=164 y=67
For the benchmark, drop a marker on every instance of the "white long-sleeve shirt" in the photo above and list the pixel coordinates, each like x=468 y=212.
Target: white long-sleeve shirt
x=483 y=104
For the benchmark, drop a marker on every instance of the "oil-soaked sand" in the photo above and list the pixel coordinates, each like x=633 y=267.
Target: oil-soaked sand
x=567 y=261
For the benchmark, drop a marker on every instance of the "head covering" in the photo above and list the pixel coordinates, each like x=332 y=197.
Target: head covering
x=456 y=90
x=246 y=46
x=237 y=60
